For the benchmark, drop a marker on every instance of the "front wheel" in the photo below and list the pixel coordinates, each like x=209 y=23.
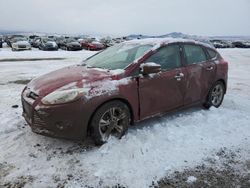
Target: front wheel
x=111 y=119
x=215 y=95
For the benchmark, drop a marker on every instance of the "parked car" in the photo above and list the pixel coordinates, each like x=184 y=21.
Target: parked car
x=221 y=44
x=94 y=45
x=32 y=39
x=36 y=42
x=9 y=39
x=70 y=44
x=123 y=84
x=240 y=44
x=60 y=41
x=20 y=43
x=107 y=42
x=47 y=44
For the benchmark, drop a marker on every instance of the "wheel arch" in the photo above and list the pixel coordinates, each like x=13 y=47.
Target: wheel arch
x=223 y=82
x=110 y=100
x=205 y=102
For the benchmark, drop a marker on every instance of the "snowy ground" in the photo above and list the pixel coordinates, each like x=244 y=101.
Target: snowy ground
x=150 y=152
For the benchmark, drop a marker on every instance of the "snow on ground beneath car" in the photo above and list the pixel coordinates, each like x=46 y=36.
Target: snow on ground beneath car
x=149 y=151
x=7 y=54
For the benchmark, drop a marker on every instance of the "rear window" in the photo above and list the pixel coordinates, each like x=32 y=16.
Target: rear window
x=194 y=54
x=212 y=53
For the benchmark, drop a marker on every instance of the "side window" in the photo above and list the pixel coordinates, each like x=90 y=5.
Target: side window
x=168 y=57
x=212 y=53
x=194 y=54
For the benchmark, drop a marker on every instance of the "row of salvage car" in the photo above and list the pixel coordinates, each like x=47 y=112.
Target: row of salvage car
x=52 y=43
x=230 y=44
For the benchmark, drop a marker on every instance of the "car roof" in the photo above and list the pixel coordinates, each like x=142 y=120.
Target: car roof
x=157 y=42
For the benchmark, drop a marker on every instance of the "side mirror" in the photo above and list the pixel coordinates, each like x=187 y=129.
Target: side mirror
x=149 y=68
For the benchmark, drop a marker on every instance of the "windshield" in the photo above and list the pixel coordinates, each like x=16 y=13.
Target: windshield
x=45 y=40
x=71 y=40
x=118 y=56
x=19 y=39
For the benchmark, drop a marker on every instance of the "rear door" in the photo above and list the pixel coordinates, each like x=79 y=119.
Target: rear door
x=200 y=73
x=163 y=91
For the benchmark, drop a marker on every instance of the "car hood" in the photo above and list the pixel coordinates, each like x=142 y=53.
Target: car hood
x=73 y=44
x=22 y=43
x=74 y=75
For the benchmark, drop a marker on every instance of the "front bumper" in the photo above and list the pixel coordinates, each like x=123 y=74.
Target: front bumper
x=19 y=48
x=74 y=48
x=64 y=121
x=49 y=48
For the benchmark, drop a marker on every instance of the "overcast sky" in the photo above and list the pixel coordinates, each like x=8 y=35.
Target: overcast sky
x=122 y=17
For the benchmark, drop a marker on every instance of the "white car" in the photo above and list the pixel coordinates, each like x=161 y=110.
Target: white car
x=20 y=44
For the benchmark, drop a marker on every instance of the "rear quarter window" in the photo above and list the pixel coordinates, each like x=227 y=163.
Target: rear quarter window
x=194 y=54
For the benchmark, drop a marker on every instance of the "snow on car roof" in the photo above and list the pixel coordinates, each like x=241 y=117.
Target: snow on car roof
x=157 y=42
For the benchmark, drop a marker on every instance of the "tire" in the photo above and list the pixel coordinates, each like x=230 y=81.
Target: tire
x=112 y=118
x=215 y=96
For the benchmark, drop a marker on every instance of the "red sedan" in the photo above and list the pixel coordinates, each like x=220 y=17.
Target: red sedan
x=124 y=84
x=94 y=46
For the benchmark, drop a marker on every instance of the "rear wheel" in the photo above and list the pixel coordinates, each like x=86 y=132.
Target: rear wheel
x=215 y=95
x=111 y=119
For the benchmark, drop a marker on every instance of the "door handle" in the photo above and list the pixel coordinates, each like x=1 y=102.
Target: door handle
x=210 y=68
x=179 y=76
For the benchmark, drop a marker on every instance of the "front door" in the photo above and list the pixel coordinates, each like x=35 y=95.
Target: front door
x=163 y=91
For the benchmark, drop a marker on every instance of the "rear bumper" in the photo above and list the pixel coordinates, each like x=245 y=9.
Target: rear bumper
x=62 y=121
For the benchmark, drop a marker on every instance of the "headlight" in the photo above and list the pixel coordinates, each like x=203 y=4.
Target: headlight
x=14 y=45
x=60 y=97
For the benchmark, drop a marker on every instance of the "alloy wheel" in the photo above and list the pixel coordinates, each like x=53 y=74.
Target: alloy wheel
x=217 y=95
x=112 y=123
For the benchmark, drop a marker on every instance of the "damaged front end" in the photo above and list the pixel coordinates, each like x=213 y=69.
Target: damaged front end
x=62 y=120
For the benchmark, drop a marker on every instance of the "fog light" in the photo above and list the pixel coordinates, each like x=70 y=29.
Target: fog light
x=59 y=125
x=62 y=125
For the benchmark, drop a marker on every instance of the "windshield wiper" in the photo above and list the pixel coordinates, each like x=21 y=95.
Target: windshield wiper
x=92 y=67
